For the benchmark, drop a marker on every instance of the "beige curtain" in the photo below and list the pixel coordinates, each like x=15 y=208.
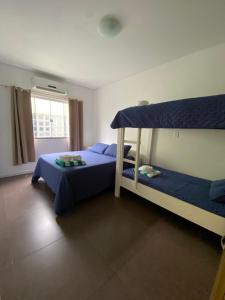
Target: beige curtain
x=22 y=127
x=76 y=124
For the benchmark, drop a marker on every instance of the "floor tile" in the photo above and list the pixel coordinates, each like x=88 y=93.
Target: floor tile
x=33 y=232
x=113 y=289
x=7 y=284
x=86 y=214
x=106 y=248
x=117 y=237
x=166 y=268
x=67 y=269
x=137 y=207
x=23 y=199
x=6 y=257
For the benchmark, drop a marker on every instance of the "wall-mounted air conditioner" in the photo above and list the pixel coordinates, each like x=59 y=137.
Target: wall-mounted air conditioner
x=48 y=86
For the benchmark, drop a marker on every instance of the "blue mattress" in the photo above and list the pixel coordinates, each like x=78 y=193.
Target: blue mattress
x=72 y=184
x=196 y=113
x=184 y=187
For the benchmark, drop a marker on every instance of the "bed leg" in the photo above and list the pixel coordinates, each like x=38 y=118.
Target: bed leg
x=223 y=242
x=117 y=186
x=117 y=191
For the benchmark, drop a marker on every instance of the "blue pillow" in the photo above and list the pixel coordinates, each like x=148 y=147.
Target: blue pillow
x=99 y=148
x=111 y=150
x=217 y=190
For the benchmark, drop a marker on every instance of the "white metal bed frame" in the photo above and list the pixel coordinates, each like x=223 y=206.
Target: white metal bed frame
x=204 y=218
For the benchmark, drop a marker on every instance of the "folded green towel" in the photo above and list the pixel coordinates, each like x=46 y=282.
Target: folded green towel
x=70 y=163
x=151 y=174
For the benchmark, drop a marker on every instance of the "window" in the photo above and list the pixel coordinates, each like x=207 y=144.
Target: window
x=50 y=118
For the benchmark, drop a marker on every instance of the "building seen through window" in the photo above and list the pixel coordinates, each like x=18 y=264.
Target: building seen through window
x=50 y=118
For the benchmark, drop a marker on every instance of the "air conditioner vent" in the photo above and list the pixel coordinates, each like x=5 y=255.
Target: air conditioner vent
x=48 y=86
x=50 y=89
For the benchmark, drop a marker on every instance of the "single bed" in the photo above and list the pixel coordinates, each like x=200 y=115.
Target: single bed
x=72 y=184
x=190 y=189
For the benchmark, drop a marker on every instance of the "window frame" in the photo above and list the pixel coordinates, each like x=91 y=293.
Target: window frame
x=53 y=97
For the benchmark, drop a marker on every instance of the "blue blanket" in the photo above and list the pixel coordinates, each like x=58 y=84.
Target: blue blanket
x=72 y=184
x=197 y=113
x=184 y=187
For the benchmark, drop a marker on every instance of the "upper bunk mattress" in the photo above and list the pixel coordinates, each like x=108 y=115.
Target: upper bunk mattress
x=184 y=187
x=196 y=113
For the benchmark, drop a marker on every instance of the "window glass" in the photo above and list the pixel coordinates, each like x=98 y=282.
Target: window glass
x=50 y=118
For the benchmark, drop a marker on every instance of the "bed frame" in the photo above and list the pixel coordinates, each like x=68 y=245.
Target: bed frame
x=204 y=218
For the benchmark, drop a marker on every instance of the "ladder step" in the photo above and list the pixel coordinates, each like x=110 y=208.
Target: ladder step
x=130 y=142
x=129 y=161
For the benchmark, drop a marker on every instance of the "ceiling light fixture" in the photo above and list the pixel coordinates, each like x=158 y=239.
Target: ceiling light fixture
x=109 y=26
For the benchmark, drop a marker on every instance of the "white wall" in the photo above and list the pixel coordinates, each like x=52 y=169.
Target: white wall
x=200 y=153
x=15 y=76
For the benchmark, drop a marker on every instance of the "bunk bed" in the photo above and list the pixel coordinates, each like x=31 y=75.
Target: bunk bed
x=184 y=195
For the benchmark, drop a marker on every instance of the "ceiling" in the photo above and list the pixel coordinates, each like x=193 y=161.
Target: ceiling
x=60 y=36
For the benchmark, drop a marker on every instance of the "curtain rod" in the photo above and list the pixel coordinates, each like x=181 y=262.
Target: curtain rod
x=4 y=85
x=16 y=87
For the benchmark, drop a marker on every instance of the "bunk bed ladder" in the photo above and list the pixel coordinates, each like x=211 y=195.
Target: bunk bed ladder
x=137 y=157
x=120 y=158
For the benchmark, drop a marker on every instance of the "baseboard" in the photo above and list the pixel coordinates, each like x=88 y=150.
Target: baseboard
x=5 y=175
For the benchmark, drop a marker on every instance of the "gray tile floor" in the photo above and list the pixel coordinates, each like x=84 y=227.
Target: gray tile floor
x=108 y=249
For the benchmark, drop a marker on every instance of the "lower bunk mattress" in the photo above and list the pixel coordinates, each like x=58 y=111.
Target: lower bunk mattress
x=184 y=187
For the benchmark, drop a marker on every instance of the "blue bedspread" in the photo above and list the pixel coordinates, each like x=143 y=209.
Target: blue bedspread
x=72 y=184
x=197 y=113
x=184 y=187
